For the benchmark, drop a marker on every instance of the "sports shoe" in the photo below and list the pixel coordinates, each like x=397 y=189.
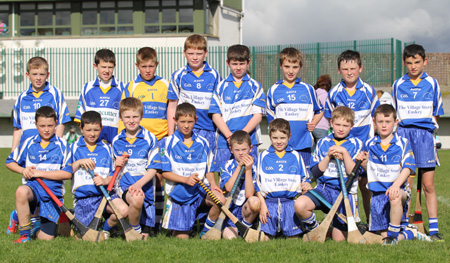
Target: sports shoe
x=389 y=241
x=22 y=239
x=436 y=237
x=35 y=227
x=13 y=225
x=422 y=237
x=106 y=234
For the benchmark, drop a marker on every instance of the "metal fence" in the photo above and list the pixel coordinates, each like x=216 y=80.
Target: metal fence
x=70 y=68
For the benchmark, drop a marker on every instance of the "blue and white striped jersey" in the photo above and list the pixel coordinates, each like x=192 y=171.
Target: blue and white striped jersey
x=50 y=157
x=29 y=101
x=298 y=105
x=143 y=154
x=185 y=86
x=363 y=102
x=226 y=171
x=331 y=176
x=82 y=183
x=103 y=101
x=387 y=161
x=280 y=175
x=237 y=106
x=185 y=160
x=417 y=104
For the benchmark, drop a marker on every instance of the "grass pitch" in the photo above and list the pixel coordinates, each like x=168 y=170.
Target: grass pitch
x=165 y=249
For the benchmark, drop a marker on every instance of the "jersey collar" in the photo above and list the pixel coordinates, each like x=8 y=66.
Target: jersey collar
x=39 y=139
x=406 y=76
x=272 y=150
x=377 y=139
x=359 y=84
x=113 y=82
x=297 y=81
x=346 y=138
x=205 y=68
x=230 y=78
x=140 y=134
x=46 y=88
x=151 y=82
x=81 y=141
x=180 y=136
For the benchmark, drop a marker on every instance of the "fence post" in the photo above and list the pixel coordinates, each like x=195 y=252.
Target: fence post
x=254 y=62
x=318 y=60
x=392 y=60
x=398 y=59
x=278 y=68
x=355 y=44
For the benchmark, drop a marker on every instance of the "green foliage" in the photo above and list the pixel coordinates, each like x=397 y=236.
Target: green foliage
x=165 y=249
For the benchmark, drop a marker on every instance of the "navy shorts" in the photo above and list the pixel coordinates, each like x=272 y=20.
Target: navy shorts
x=85 y=208
x=422 y=144
x=282 y=218
x=181 y=217
x=380 y=209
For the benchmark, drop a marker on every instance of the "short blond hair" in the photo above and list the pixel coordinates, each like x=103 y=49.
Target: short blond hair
x=343 y=112
x=291 y=55
x=132 y=104
x=195 y=42
x=145 y=54
x=37 y=62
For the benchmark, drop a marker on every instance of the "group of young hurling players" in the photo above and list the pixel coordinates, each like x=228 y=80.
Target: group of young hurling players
x=168 y=136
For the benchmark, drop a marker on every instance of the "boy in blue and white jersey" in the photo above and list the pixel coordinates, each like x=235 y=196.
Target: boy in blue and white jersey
x=245 y=206
x=42 y=155
x=238 y=104
x=295 y=101
x=103 y=95
x=187 y=159
x=389 y=161
x=418 y=101
x=338 y=145
x=39 y=93
x=194 y=84
x=136 y=183
x=281 y=177
x=362 y=99
x=91 y=153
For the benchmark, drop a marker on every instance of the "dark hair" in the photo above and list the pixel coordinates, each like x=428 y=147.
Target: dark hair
x=45 y=112
x=386 y=110
x=280 y=125
x=106 y=55
x=240 y=137
x=238 y=52
x=323 y=82
x=413 y=50
x=91 y=117
x=185 y=109
x=349 y=55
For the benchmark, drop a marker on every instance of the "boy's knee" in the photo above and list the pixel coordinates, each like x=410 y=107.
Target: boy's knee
x=22 y=192
x=254 y=204
x=136 y=200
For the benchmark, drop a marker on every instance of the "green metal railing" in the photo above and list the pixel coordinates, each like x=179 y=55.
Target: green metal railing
x=70 y=68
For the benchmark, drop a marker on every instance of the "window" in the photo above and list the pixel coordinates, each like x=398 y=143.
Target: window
x=45 y=19
x=107 y=18
x=169 y=16
x=4 y=25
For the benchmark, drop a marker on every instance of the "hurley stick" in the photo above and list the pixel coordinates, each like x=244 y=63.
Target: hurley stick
x=249 y=235
x=418 y=222
x=85 y=232
x=215 y=233
x=130 y=233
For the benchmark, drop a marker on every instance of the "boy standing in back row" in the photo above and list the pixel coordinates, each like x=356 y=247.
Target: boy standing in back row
x=238 y=104
x=103 y=94
x=194 y=84
x=361 y=98
x=418 y=101
x=295 y=101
